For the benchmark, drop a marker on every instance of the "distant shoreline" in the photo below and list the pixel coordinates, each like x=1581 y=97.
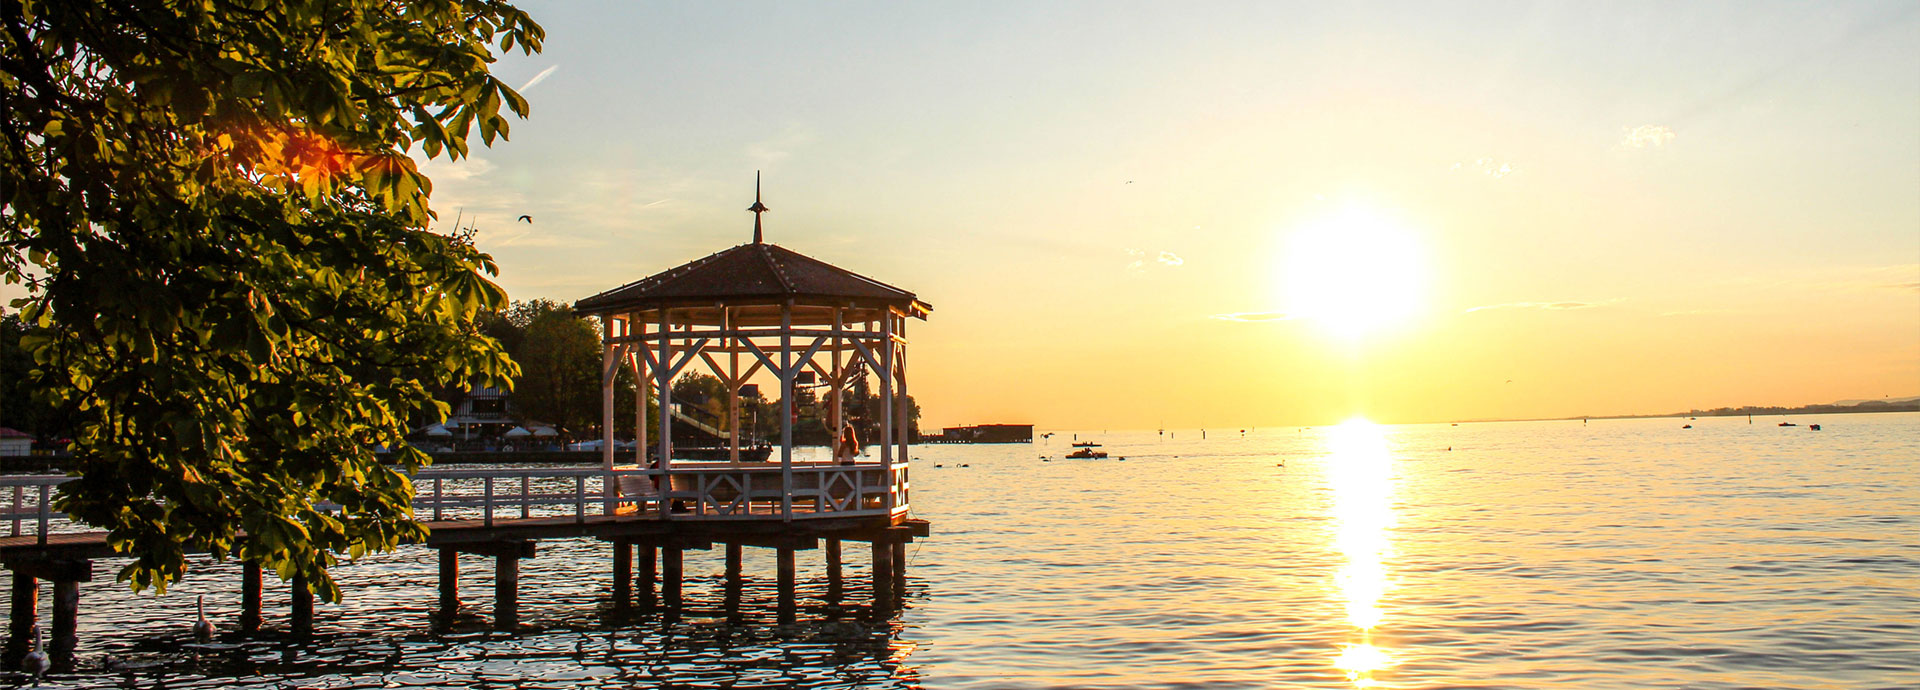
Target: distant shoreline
x=1904 y=405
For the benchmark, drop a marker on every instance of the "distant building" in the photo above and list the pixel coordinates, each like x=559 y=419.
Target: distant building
x=14 y=442
x=485 y=411
x=988 y=433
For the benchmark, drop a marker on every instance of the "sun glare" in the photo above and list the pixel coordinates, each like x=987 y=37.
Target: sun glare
x=1360 y=470
x=1354 y=273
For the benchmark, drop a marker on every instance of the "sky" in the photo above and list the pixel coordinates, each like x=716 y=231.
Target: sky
x=1178 y=215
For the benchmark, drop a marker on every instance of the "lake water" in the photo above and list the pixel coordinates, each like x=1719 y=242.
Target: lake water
x=1611 y=554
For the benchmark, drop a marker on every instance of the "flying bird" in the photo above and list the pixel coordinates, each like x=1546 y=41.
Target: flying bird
x=528 y=219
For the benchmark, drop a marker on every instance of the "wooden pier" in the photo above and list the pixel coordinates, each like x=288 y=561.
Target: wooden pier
x=756 y=309
x=503 y=514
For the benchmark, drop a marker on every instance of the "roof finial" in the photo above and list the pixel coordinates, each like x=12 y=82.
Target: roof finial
x=757 y=208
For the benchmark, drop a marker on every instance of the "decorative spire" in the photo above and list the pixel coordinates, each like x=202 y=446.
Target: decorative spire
x=757 y=208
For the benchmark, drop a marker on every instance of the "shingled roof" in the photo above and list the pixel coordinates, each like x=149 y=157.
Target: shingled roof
x=756 y=272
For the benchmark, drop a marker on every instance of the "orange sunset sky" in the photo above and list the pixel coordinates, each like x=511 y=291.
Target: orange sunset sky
x=1129 y=215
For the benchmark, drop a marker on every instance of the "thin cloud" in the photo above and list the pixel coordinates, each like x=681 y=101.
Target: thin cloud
x=1856 y=279
x=1143 y=259
x=767 y=154
x=1646 y=136
x=443 y=170
x=1548 y=306
x=535 y=81
x=1253 y=316
x=1489 y=167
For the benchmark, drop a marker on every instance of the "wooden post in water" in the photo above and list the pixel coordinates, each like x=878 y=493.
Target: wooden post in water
x=506 y=591
x=670 y=576
x=733 y=582
x=449 y=582
x=833 y=571
x=66 y=624
x=900 y=567
x=833 y=559
x=882 y=577
x=250 y=583
x=785 y=557
x=23 y=618
x=622 y=574
x=302 y=606
x=647 y=570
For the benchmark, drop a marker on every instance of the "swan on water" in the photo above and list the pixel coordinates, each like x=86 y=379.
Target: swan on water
x=36 y=661
x=202 y=629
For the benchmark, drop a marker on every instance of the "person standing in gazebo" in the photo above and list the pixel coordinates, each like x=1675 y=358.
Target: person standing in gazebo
x=847 y=446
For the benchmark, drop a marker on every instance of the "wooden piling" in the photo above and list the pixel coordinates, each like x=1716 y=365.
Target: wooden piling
x=23 y=617
x=670 y=576
x=250 y=583
x=882 y=576
x=66 y=624
x=622 y=574
x=833 y=571
x=449 y=582
x=506 y=591
x=302 y=622
x=648 y=569
x=733 y=561
x=900 y=567
x=786 y=607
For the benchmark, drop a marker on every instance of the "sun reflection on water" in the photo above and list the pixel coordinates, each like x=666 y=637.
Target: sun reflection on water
x=1360 y=470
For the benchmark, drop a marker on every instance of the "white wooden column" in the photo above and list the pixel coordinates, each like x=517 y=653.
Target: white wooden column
x=664 y=365
x=904 y=417
x=636 y=362
x=733 y=386
x=886 y=395
x=609 y=368
x=786 y=410
x=642 y=386
x=836 y=419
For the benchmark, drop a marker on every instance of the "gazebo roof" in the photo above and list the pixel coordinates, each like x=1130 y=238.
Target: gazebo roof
x=752 y=274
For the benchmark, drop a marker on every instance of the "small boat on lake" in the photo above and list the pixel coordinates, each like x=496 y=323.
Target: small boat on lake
x=1086 y=454
x=1086 y=444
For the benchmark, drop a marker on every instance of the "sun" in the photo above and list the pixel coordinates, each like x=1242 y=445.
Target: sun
x=1354 y=273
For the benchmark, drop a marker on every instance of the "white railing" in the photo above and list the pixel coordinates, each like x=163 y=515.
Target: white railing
x=32 y=503
x=699 y=491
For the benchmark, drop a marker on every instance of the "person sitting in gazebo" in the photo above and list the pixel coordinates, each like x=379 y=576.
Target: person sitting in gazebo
x=847 y=446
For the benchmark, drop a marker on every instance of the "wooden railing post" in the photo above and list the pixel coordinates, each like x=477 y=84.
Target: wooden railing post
x=46 y=511
x=580 y=498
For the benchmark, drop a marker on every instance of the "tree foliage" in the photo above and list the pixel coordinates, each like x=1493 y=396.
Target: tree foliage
x=559 y=356
x=225 y=241
x=18 y=410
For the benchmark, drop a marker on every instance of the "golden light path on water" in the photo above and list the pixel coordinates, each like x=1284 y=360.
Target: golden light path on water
x=1360 y=470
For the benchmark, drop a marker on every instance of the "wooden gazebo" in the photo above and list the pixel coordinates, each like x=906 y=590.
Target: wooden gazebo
x=752 y=308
